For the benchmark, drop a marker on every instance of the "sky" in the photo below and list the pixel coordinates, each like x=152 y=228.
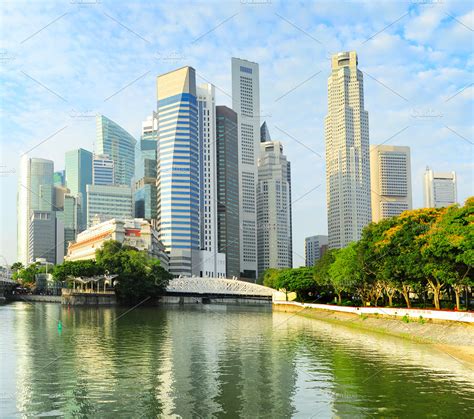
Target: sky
x=61 y=63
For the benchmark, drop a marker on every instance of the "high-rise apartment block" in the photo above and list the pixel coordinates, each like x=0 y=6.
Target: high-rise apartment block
x=246 y=102
x=347 y=152
x=227 y=157
x=314 y=248
x=273 y=208
x=178 y=184
x=390 y=178
x=439 y=189
x=115 y=142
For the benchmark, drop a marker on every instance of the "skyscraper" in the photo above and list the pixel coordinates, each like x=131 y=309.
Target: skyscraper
x=145 y=170
x=314 y=248
x=246 y=102
x=102 y=170
x=78 y=175
x=347 y=152
x=178 y=168
x=273 y=208
x=212 y=262
x=390 y=178
x=35 y=192
x=113 y=141
x=440 y=189
x=45 y=237
x=59 y=178
x=105 y=202
x=264 y=133
x=227 y=157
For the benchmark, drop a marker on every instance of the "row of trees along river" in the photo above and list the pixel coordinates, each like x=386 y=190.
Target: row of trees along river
x=139 y=276
x=422 y=258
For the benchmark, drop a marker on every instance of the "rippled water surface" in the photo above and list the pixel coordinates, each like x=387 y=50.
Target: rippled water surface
x=216 y=361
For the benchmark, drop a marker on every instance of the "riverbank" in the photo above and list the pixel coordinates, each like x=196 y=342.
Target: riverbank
x=454 y=338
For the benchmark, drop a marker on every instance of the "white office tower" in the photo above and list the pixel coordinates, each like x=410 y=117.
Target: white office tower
x=212 y=263
x=390 y=178
x=347 y=152
x=246 y=103
x=273 y=208
x=440 y=189
x=35 y=193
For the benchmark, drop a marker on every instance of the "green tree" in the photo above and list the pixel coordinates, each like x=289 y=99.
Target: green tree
x=27 y=276
x=17 y=266
x=343 y=273
x=321 y=268
x=79 y=268
x=448 y=248
x=298 y=280
x=139 y=276
x=270 y=276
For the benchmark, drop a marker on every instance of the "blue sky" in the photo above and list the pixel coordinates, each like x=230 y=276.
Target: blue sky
x=63 y=62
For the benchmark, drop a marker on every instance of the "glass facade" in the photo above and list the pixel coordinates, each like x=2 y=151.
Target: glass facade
x=112 y=140
x=106 y=202
x=178 y=166
x=228 y=229
x=78 y=175
x=103 y=171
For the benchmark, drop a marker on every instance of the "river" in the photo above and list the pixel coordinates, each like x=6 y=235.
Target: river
x=216 y=361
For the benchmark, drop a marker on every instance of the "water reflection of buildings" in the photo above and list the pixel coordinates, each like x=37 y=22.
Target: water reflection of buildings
x=224 y=364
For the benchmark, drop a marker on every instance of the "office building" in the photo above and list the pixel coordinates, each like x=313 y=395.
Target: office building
x=347 y=152
x=264 y=133
x=145 y=197
x=68 y=215
x=35 y=192
x=246 y=102
x=178 y=169
x=390 y=179
x=102 y=170
x=134 y=232
x=45 y=237
x=112 y=140
x=105 y=202
x=273 y=208
x=59 y=178
x=228 y=224
x=212 y=261
x=439 y=189
x=314 y=248
x=78 y=175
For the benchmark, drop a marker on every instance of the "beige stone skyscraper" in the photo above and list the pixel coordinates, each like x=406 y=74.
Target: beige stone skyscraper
x=347 y=152
x=390 y=177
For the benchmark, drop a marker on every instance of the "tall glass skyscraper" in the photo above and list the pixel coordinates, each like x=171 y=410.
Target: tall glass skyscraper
x=228 y=225
x=145 y=170
x=78 y=175
x=178 y=168
x=35 y=192
x=347 y=152
x=113 y=141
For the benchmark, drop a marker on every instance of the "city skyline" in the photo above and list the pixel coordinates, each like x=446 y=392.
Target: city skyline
x=435 y=145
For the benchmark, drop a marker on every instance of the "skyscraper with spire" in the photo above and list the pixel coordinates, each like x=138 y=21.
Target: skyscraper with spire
x=347 y=152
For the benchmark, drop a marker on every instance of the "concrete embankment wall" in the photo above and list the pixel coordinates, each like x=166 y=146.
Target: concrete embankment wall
x=413 y=314
x=37 y=298
x=177 y=299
